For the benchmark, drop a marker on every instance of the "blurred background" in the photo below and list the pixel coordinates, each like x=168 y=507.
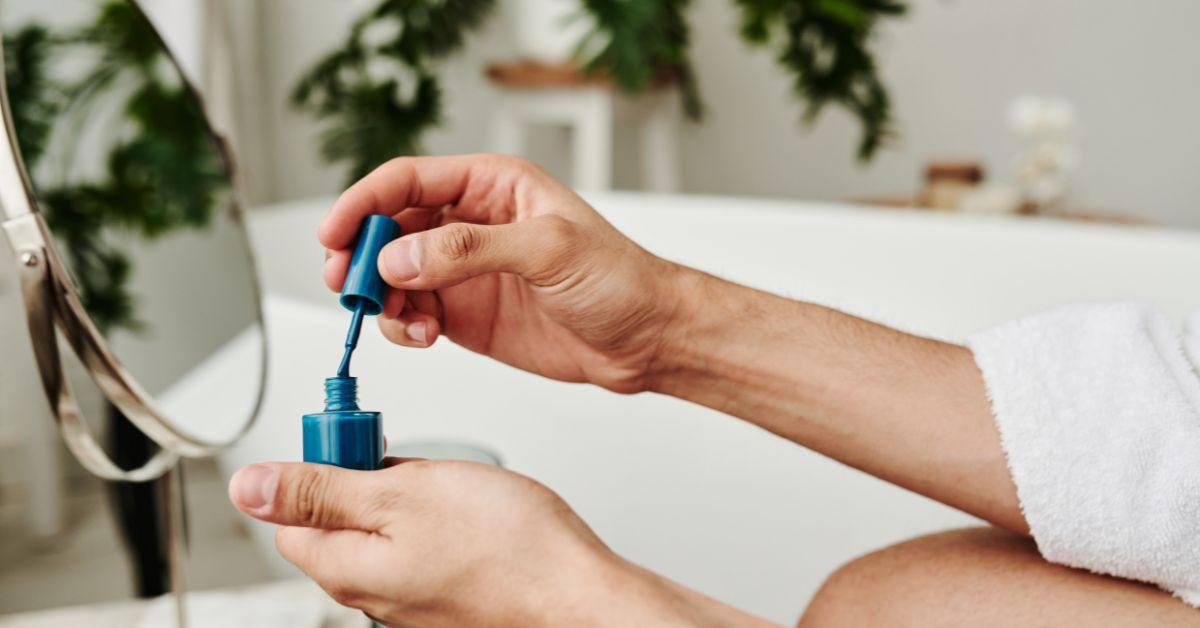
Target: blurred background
x=941 y=165
x=954 y=70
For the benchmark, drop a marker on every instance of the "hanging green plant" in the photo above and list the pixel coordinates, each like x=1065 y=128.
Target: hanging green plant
x=824 y=44
x=377 y=94
x=637 y=44
x=371 y=114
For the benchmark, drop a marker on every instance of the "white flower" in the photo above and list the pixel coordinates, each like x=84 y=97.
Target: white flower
x=1034 y=117
x=1058 y=116
x=1024 y=114
x=1044 y=167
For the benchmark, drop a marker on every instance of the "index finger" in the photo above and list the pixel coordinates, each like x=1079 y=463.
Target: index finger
x=401 y=183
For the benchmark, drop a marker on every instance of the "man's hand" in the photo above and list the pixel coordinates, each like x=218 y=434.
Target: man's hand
x=510 y=263
x=457 y=544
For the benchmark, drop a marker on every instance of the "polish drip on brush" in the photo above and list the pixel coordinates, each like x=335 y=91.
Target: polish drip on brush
x=343 y=435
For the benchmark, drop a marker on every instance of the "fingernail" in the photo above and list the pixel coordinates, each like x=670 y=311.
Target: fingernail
x=401 y=259
x=254 y=486
x=417 y=331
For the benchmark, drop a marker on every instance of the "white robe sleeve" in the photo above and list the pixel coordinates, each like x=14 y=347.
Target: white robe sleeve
x=1098 y=409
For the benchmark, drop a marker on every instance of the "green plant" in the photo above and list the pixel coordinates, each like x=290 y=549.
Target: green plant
x=824 y=44
x=639 y=43
x=162 y=171
x=372 y=116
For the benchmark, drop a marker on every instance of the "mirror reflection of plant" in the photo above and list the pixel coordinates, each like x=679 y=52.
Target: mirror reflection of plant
x=377 y=93
x=33 y=99
x=162 y=174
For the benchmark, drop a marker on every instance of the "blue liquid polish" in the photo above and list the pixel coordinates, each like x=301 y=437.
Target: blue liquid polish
x=343 y=435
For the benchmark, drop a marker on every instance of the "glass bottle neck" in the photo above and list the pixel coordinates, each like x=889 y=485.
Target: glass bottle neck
x=341 y=393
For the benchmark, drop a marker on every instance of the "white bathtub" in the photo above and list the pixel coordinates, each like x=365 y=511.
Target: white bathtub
x=709 y=501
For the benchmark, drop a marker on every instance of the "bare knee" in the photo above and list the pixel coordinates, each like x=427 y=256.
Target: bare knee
x=981 y=576
x=896 y=584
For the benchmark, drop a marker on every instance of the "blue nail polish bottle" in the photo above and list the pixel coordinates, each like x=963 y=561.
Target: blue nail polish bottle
x=343 y=435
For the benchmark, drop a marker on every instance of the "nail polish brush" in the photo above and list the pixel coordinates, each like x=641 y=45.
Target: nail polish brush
x=343 y=435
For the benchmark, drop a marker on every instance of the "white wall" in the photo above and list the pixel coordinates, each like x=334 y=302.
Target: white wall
x=953 y=67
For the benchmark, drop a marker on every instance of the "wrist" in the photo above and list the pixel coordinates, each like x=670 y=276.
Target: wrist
x=692 y=331
x=616 y=592
x=595 y=589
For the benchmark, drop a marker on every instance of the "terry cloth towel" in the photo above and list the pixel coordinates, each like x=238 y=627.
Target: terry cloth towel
x=1098 y=409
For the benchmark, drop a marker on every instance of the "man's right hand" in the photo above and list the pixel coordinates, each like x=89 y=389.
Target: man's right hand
x=510 y=263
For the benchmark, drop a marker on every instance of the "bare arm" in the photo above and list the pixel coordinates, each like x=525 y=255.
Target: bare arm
x=507 y=262
x=909 y=410
x=519 y=263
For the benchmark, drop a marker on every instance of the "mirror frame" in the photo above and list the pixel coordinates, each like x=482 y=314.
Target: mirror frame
x=51 y=301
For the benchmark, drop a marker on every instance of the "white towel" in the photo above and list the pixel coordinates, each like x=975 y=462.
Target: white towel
x=1098 y=408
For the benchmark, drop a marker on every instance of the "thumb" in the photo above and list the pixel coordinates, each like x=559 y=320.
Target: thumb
x=536 y=249
x=309 y=495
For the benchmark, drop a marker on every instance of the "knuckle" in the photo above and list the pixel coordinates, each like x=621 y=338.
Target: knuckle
x=308 y=496
x=341 y=592
x=559 y=243
x=459 y=241
x=396 y=164
x=558 y=229
x=393 y=330
x=513 y=162
x=525 y=166
x=442 y=469
x=421 y=474
x=420 y=468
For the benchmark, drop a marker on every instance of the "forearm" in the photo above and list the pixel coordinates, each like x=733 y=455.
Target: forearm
x=624 y=594
x=909 y=410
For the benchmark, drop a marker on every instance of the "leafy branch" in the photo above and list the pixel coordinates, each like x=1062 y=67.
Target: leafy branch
x=371 y=113
x=377 y=93
x=824 y=45
x=638 y=44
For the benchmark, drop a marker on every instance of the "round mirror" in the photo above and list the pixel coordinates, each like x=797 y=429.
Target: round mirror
x=137 y=193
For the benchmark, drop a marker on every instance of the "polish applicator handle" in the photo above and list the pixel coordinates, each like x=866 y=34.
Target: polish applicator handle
x=364 y=290
x=364 y=287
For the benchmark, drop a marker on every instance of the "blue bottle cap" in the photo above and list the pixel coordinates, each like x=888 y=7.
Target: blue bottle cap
x=363 y=283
